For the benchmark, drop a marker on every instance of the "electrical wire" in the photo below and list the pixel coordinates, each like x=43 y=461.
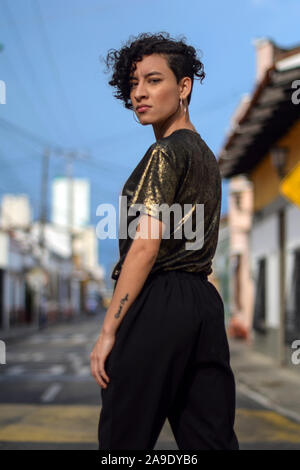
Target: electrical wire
x=47 y=48
x=28 y=64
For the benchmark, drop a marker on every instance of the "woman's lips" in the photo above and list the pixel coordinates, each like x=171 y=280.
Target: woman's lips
x=142 y=109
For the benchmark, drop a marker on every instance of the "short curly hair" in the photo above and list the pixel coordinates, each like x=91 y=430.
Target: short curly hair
x=182 y=60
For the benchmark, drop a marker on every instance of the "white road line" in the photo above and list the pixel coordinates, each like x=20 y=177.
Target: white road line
x=15 y=370
x=76 y=362
x=57 y=369
x=58 y=339
x=23 y=357
x=71 y=355
x=36 y=340
x=78 y=338
x=265 y=401
x=84 y=371
x=10 y=357
x=51 y=392
x=38 y=356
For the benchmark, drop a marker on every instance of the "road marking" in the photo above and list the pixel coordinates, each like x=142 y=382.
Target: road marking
x=51 y=392
x=76 y=361
x=78 y=423
x=78 y=338
x=264 y=401
x=38 y=356
x=71 y=355
x=56 y=369
x=265 y=426
x=25 y=357
x=58 y=339
x=14 y=370
x=48 y=423
x=36 y=339
x=84 y=371
x=45 y=377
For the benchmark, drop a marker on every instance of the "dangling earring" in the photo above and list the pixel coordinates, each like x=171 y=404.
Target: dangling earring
x=134 y=117
x=181 y=105
x=134 y=112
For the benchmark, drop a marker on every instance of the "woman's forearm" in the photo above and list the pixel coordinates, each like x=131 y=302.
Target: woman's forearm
x=134 y=273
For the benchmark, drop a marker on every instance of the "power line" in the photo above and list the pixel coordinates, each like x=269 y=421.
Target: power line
x=57 y=150
x=27 y=61
x=28 y=134
x=210 y=108
x=47 y=49
x=22 y=89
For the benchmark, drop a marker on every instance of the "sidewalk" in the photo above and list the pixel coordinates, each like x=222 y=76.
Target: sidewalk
x=260 y=378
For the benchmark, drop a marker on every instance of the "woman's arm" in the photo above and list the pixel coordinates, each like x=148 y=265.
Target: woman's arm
x=135 y=269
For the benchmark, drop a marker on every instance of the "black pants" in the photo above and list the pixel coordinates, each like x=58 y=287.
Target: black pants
x=170 y=360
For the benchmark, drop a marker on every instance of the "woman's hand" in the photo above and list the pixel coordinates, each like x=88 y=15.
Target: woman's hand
x=98 y=357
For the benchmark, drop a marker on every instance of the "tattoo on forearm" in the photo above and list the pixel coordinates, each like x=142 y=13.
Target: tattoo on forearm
x=121 y=306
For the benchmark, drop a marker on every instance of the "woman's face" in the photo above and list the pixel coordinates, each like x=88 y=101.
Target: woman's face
x=154 y=84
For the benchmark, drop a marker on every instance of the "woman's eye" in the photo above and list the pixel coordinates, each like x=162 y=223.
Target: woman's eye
x=151 y=80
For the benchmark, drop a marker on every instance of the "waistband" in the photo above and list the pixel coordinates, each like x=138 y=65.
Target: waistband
x=180 y=273
x=174 y=273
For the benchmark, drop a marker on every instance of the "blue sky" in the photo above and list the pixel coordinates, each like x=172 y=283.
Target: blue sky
x=57 y=89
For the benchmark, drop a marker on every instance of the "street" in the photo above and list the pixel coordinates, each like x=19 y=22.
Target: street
x=49 y=400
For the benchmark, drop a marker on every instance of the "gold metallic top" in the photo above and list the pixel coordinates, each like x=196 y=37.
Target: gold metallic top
x=182 y=169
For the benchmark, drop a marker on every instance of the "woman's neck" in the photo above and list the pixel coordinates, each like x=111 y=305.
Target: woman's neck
x=161 y=131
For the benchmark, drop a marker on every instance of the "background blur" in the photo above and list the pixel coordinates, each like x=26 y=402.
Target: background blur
x=67 y=145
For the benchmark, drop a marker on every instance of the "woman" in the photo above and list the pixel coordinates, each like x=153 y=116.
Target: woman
x=163 y=350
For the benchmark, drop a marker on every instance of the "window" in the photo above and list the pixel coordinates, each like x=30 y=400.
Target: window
x=292 y=313
x=259 y=316
x=238 y=199
x=237 y=282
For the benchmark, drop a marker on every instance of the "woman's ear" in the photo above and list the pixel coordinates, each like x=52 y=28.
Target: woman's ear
x=185 y=87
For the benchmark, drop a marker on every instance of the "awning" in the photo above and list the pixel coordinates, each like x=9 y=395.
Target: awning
x=268 y=117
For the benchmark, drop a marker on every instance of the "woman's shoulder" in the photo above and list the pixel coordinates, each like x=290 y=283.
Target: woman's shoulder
x=160 y=149
x=167 y=145
x=181 y=147
x=181 y=140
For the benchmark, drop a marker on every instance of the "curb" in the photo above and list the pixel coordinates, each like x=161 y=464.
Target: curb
x=263 y=400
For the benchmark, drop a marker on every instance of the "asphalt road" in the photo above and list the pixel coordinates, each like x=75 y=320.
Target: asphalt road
x=49 y=399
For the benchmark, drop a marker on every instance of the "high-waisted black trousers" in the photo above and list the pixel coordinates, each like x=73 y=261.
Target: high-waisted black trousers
x=170 y=360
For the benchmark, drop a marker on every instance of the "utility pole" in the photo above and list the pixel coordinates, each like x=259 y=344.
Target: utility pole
x=44 y=193
x=39 y=313
x=2 y=85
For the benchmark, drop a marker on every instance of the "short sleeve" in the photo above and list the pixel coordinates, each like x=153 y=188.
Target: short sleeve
x=157 y=183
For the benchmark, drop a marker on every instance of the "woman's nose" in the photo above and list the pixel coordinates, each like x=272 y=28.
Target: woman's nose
x=140 y=92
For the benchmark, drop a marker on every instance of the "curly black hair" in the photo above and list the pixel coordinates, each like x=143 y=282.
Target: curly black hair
x=182 y=60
